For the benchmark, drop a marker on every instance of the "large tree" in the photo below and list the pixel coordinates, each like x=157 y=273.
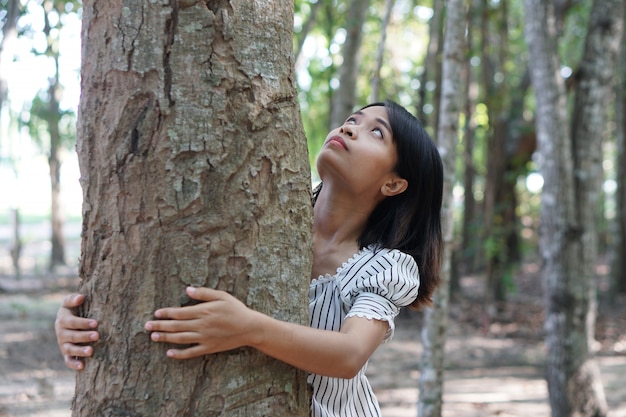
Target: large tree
x=194 y=172
x=571 y=167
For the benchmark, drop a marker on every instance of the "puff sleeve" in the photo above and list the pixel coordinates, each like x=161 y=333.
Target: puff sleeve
x=388 y=281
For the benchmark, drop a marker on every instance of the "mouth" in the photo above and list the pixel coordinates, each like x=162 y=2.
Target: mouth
x=337 y=141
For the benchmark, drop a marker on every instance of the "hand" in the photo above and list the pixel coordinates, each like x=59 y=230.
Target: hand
x=219 y=323
x=73 y=331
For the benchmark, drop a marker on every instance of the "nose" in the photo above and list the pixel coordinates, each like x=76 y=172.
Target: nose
x=347 y=130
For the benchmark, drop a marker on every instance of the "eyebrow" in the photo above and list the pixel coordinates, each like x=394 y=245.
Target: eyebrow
x=379 y=120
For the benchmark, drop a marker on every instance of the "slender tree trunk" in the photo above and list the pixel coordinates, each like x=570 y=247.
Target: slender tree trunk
x=435 y=319
x=57 y=253
x=344 y=97
x=568 y=241
x=619 y=255
x=194 y=172
x=493 y=48
x=306 y=29
x=16 y=245
x=380 y=52
x=7 y=45
x=430 y=79
x=468 y=237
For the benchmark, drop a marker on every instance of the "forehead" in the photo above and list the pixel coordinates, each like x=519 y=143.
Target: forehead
x=376 y=112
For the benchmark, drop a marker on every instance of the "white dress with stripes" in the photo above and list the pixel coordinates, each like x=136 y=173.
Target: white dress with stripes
x=374 y=283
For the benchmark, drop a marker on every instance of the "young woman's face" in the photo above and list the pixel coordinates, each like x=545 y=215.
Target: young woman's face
x=361 y=153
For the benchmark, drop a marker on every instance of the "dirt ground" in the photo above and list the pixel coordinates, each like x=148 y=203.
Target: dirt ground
x=494 y=368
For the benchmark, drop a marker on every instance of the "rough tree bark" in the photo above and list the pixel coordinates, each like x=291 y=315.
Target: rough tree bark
x=194 y=172
x=435 y=319
x=570 y=168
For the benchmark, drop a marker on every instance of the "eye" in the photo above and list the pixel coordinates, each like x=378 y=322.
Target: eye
x=378 y=132
x=350 y=121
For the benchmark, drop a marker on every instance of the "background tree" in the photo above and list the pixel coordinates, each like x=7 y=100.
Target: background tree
x=194 y=172
x=569 y=168
x=48 y=121
x=344 y=96
x=435 y=318
x=619 y=256
x=7 y=45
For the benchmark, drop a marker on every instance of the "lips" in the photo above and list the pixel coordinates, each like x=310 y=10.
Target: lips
x=337 y=141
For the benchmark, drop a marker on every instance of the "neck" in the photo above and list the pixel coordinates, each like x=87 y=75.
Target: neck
x=339 y=217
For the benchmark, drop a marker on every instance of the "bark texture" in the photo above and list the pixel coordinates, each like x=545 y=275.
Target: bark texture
x=571 y=169
x=435 y=323
x=194 y=172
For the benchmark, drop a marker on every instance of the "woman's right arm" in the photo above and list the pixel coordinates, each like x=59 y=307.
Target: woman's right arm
x=73 y=332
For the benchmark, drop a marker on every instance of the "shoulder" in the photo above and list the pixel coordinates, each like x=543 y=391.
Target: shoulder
x=373 y=261
x=390 y=273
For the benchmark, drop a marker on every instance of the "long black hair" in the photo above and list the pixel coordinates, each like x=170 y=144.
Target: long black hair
x=411 y=221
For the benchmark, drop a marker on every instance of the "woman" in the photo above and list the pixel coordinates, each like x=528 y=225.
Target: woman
x=376 y=223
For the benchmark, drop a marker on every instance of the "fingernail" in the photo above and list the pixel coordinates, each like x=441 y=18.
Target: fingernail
x=93 y=324
x=93 y=336
x=148 y=326
x=170 y=353
x=157 y=314
x=86 y=351
x=191 y=290
x=155 y=336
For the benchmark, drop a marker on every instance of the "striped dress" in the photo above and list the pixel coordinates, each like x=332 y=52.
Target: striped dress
x=374 y=284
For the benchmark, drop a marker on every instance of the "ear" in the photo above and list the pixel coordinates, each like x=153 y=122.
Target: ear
x=394 y=186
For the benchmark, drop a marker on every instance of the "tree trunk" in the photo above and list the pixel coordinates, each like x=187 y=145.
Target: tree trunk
x=468 y=249
x=344 y=97
x=7 y=43
x=380 y=51
x=569 y=169
x=52 y=116
x=194 y=172
x=619 y=255
x=306 y=30
x=595 y=84
x=430 y=79
x=57 y=254
x=16 y=244
x=435 y=319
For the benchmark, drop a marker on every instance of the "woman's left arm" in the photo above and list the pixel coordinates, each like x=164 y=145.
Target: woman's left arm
x=221 y=322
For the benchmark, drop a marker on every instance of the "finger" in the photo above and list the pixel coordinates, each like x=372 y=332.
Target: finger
x=193 y=311
x=205 y=294
x=73 y=300
x=73 y=363
x=183 y=338
x=170 y=325
x=76 y=351
x=188 y=353
x=76 y=337
x=70 y=321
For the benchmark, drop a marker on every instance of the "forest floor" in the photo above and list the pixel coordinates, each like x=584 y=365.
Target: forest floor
x=494 y=367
